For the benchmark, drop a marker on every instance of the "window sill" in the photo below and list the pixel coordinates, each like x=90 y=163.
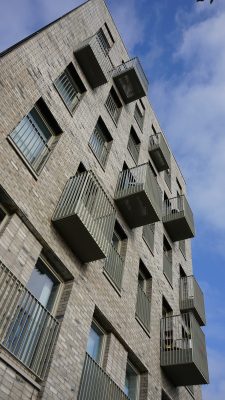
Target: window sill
x=151 y=251
x=170 y=283
x=118 y=291
x=143 y=326
x=101 y=165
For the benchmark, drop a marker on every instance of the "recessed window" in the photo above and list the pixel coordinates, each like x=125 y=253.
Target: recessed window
x=103 y=42
x=148 y=235
x=131 y=388
x=167 y=178
x=3 y=215
x=113 y=105
x=167 y=260
x=134 y=145
x=143 y=304
x=70 y=87
x=139 y=114
x=182 y=247
x=36 y=136
x=95 y=341
x=100 y=142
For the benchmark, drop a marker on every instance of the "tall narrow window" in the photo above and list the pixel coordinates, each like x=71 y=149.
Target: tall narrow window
x=167 y=178
x=139 y=114
x=182 y=247
x=36 y=135
x=70 y=87
x=134 y=145
x=3 y=215
x=167 y=260
x=100 y=142
x=95 y=342
x=143 y=304
x=148 y=235
x=104 y=44
x=113 y=105
x=131 y=388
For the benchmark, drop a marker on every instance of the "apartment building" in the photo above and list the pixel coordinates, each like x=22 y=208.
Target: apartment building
x=98 y=300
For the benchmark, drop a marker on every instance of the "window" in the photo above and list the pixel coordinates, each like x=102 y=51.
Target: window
x=179 y=188
x=143 y=304
x=167 y=260
x=139 y=114
x=148 y=235
x=95 y=342
x=167 y=178
x=36 y=136
x=134 y=145
x=44 y=285
x=166 y=309
x=3 y=215
x=114 y=263
x=100 y=142
x=70 y=87
x=103 y=42
x=131 y=388
x=165 y=396
x=113 y=105
x=182 y=247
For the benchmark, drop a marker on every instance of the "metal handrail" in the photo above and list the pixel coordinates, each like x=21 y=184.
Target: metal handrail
x=134 y=148
x=191 y=296
x=27 y=329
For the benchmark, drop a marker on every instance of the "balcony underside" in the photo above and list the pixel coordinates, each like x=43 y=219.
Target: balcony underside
x=91 y=66
x=185 y=372
x=159 y=159
x=129 y=85
x=137 y=209
x=190 y=305
x=178 y=227
x=79 y=239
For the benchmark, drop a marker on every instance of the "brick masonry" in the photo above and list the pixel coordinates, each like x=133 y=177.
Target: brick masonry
x=27 y=73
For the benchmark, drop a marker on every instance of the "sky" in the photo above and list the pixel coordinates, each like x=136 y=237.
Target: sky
x=181 y=44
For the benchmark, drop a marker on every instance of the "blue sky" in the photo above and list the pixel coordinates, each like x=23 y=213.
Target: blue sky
x=181 y=44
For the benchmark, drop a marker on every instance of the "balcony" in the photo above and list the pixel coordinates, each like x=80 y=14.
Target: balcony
x=178 y=218
x=97 y=384
x=114 y=267
x=143 y=308
x=94 y=61
x=28 y=331
x=138 y=196
x=159 y=152
x=192 y=299
x=85 y=217
x=130 y=80
x=183 y=350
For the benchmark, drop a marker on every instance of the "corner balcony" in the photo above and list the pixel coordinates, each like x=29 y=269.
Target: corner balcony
x=138 y=196
x=85 y=217
x=159 y=152
x=192 y=298
x=178 y=218
x=97 y=384
x=130 y=80
x=27 y=331
x=183 y=350
x=93 y=60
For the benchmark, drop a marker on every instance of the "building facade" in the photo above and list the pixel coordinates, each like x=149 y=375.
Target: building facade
x=97 y=296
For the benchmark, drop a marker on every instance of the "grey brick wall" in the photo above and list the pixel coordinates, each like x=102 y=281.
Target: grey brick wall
x=27 y=73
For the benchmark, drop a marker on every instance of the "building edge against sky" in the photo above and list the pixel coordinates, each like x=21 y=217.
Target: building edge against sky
x=97 y=294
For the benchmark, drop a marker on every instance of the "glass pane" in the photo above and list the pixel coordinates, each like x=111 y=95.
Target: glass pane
x=43 y=285
x=131 y=383
x=94 y=343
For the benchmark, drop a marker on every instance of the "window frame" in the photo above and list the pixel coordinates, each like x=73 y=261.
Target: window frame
x=103 y=342
x=137 y=373
x=5 y=218
x=103 y=132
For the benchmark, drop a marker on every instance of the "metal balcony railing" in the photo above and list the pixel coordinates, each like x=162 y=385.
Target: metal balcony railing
x=68 y=90
x=94 y=60
x=139 y=196
x=148 y=236
x=99 y=146
x=130 y=80
x=97 y=384
x=114 y=266
x=85 y=217
x=168 y=267
x=133 y=148
x=143 y=308
x=113 y=108
x=178 y=218
x=27 y=330
x=183 y=350
x=192 y=298
x=159 y=152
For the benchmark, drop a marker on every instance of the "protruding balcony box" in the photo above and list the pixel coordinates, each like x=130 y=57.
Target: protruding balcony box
x=93 y=61
x=192 y=298
x=130 y=80
x=96 y=384
x=178 y=218
x=28 y=331
x=159 y=151
x=183 y=350
x=138 y=196
x=85 y=217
